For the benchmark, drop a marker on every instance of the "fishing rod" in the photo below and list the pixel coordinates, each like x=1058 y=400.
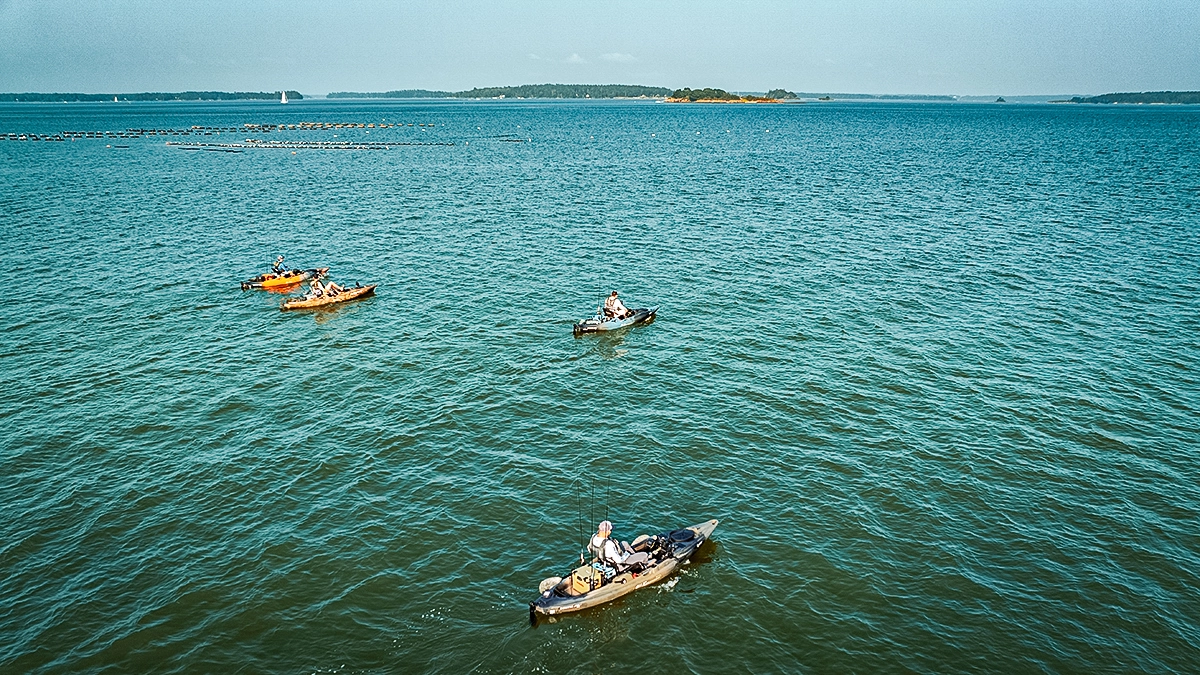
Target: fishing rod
x=592 y=587
x=579 y=515
x=607 y=485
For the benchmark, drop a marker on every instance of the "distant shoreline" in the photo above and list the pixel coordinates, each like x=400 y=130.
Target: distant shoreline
x=602 y=92
x=32 y=97
x=524 y=91
x=1141 y=98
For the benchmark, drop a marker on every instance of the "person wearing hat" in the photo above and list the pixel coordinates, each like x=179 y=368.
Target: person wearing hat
x=277 y=268
x=605 y=548
x=614 y=308
x=315 y=290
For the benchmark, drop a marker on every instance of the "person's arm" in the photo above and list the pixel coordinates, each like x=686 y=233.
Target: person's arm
x=611 y=552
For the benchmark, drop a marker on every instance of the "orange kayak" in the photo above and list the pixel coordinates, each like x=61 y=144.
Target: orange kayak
x=325 y=300
x=290 y=278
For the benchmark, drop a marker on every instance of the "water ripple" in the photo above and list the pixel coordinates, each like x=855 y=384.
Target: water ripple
x=933 y=367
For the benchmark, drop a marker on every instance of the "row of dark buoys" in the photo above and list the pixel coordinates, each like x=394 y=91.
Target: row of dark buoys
x=210 y=131
x=32 y=137
x=350 y=125
x=300 y=145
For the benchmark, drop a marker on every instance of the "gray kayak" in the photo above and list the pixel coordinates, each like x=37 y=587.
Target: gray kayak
x=600 y=324
x=589 y=585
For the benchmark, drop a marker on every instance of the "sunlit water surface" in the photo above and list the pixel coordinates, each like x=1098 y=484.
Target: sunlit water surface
x=933 y=366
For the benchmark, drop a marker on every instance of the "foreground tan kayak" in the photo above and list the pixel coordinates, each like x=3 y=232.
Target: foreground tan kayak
x=326 y=300
x=587 y=586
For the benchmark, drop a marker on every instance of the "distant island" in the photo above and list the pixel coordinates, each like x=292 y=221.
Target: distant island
x=877 y=97
x=1145 y=97
x=521 y=91
x=710 y=95
x=151 y=96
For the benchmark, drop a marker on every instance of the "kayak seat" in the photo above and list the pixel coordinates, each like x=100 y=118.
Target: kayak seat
x=636 y=561
x=644 y=543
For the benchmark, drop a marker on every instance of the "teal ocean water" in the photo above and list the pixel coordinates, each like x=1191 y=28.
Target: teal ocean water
x=933 y=366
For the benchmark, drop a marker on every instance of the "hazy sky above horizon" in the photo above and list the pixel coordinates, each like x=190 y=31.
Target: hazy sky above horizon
x=966 y=47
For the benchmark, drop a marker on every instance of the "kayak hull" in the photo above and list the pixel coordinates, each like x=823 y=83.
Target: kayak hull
x=343 y=296
x=597 y=324
x=557 y=600
x=269 y=281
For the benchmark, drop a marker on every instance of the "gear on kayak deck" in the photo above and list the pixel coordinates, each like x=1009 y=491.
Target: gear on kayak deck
x=601 y=323
x=652 y=559
x=288 y=278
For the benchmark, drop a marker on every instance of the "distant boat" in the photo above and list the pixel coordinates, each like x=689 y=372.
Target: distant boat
x=283 y=99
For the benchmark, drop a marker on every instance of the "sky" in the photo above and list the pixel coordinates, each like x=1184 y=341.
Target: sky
x=961 y=47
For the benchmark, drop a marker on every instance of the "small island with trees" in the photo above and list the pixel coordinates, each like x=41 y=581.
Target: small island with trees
x=1143 y=98
x=709 y=95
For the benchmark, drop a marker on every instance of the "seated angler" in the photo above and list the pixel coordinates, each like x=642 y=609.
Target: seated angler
x=614 y=308
x=277 y=268
x=315 y=290
x=605 y=548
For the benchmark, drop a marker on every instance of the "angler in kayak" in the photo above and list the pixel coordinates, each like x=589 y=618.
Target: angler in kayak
x=612 y=574
x=612 y=315
x=328 y=294
x=280 y=277
x=614 y=308
x=316 y=290
x=604 y=548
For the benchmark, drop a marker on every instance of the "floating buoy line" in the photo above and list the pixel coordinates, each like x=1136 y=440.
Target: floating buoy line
x=198 y=130
x=251 y=143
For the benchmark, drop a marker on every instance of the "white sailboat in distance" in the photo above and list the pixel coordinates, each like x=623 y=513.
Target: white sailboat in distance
x=283 y=99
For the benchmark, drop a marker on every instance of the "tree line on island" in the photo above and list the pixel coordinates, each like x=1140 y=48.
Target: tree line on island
x=522 y=91
x=710 y=94
x=1145 y=97
x=152 y=96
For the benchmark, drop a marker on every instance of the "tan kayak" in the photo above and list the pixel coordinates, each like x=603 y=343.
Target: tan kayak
x=586 y=585
x=326 y=300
